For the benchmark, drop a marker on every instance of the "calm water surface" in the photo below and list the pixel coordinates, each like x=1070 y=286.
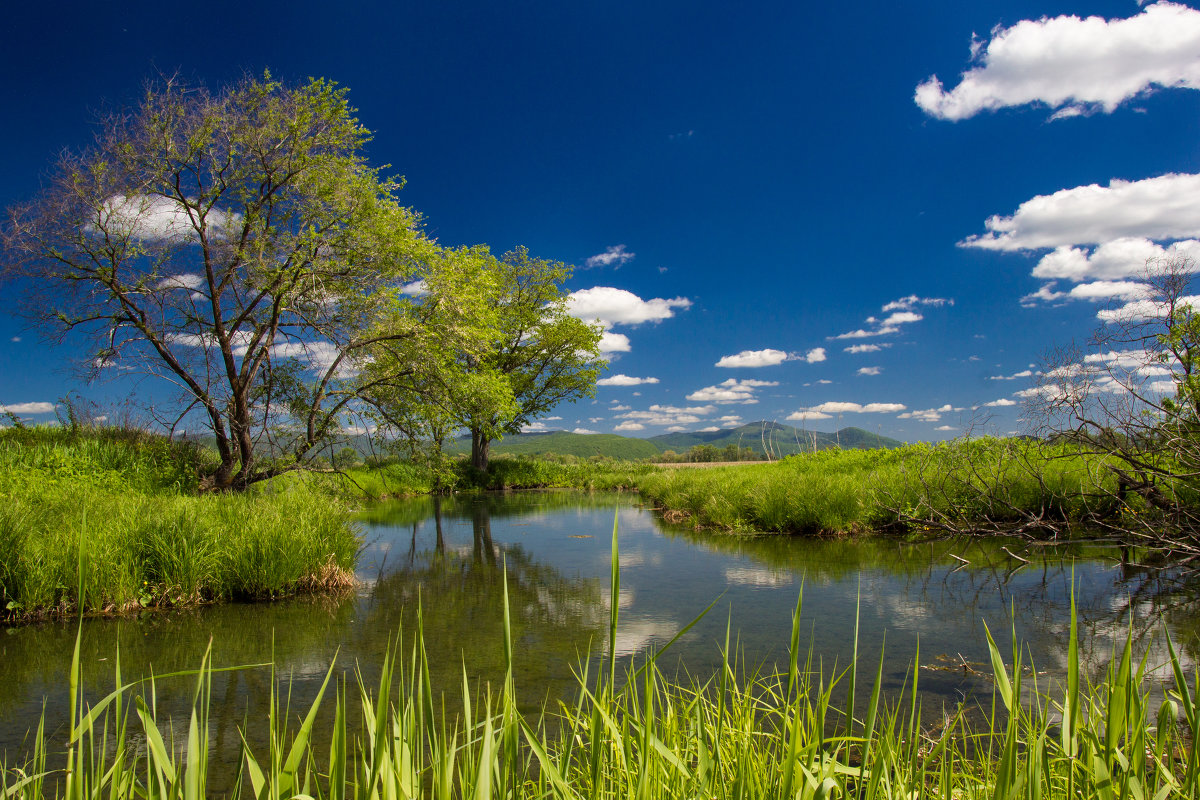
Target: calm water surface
x=449 y=556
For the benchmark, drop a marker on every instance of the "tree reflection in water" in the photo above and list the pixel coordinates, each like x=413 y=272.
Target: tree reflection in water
x=449 y=556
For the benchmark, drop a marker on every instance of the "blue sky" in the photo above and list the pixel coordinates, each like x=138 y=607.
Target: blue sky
x=775 y=209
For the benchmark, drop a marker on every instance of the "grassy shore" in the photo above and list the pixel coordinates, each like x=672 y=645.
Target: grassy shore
x=647 y=735
x=117 y=514
x=404 y=478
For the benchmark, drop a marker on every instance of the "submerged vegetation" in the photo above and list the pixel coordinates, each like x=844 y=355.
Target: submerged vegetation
x=111 y=520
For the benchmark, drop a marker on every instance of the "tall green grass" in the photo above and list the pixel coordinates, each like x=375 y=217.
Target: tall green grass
x=128 y=503
x=403 y=478
x=732 y=735
x=981 y=482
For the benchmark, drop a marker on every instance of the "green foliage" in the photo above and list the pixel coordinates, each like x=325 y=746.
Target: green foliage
x=529 y=356
x=105 y=520
x=238 y=244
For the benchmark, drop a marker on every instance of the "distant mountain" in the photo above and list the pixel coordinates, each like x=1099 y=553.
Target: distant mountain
x=780 y=440
x=566 y=443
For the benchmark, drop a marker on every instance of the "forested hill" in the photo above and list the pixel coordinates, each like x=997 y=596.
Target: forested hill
x=779 y=440
x=566 y=443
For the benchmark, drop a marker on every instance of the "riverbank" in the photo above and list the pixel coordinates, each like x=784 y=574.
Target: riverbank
x=110 y=521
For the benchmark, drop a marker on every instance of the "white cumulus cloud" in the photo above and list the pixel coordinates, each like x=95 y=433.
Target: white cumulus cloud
x=1120 y=258
x=862 y=333
x=730 y=391
x=754 y=358
x=660 y=415
x=27 y=408
x=869 y=370
x=612 y=306
x=159 y=219
x=842 y=407
x=625 y=380
x=808 y=416
x=1161 y=208
x=815 y=356
x=866 y=348
x=1074 y=65
x=929 y=414
x=630 y=426
x=614 y=342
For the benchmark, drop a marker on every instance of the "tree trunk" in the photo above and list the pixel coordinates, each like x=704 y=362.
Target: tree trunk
x=480 y=447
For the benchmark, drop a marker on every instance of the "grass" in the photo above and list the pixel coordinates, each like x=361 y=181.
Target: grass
x=732 y=735
x=128 y=502
x=403 y=478
x=986 y=483
x=990 y=481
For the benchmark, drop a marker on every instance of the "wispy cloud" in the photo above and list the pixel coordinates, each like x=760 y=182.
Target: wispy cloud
x=1025 y=373
x=866 y=348
x=899 y=312
x=612 y=257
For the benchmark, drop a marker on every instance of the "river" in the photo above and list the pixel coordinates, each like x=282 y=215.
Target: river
x=915 y=603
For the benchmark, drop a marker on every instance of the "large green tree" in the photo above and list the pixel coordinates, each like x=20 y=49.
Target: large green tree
x=543 y=355
x=237 y=245
x=534 y=356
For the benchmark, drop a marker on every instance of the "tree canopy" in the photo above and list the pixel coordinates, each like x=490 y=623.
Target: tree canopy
x=238 y=245
x=536 y=357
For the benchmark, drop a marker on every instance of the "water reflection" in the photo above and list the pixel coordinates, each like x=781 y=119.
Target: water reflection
x=450 y=556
